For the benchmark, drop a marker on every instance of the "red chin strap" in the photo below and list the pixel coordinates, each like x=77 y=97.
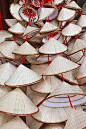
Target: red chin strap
x=22 y=59
x=1 y=26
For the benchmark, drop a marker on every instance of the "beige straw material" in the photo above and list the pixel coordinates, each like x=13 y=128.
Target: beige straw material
x=77 y=120
x=83 y=88
x=17 y=103
x=45 y=13
x=78 y=46
x=52 y=115
x=32 y=123
x=4 y=34
x=8 y=47
x=70 y=77
x=67 y=1
x=48 y=27
x=15 y=123
x=4 y=118
x=83 y=36
x=82 y=81
x=30 y=31
x=66 y=14
x=82 y=21
x=82 y=71
x=47 y=85
x=39 y=68
x=23 y=76
x=4 y=90
x=57 y=2
x=36 y=98
x=26 y=49
x=55 y=23
x=60 y=65
x=53 y=126
x=36 y=39
x=17 y=29
x=10 y=22
x=1 y=56
x=52 y=46
x=14 y=10
x=71 y=30
x=6 y=70
x=73 y=5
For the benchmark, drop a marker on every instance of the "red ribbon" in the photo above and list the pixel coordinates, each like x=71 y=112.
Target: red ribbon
x=9 y=60
x=48 y=60
x=26 y=37
x=51 y=34
x=62 y=77
x=22 y=59
x=70 y=101
x=15 y=37
x=76 y=36
x=1 y=26
x=69 y=21
x=83 y=53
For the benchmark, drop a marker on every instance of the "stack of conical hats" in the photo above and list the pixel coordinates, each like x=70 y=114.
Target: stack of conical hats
x=51 y=66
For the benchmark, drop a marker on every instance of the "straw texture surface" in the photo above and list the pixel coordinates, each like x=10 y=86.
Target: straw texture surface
x=17 y=103
x=83 y=36
x=55 y=23
x=57 y=2
x=60 y=65
x=10 y=22
x=23 y=76
x=4 y=90
x=82 y=21
x=36 y=39
x=53 y=126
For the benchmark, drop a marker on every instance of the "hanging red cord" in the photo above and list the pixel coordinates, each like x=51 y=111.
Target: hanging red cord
x=69 y=21
x=9 y=60
x=83 y=52
x=66 y=43
x=70 y=101
x=22 y=59
x=62 y=77
x=25 y=3
x=61 y=5
x=26 y=37
x=76 y=36
x=15 y=37
x=1 y=26
x=51 y=34
x=48 y=60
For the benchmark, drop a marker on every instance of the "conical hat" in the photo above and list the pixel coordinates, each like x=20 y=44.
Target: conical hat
x=23 y=76
x=59 y=97
x=40 y=23
x=6 y=70
x=70 y=77
x=16 y=122
x=78 y=46
x=36 y=39
x=57 y=2
x=71 y=30
x=77 y=120
x=45 y=13
x=30 y=31
x=17 y=103
x=82 y=71
x=26 y=49
x=14 y=9
x=52 y=115
x=66 y=14
x=17 y=29
x=83 y=36
x=82 y=21
x=47 y=85
x=32 y=123
x=52 y=47
x=4 y=118
x=48 y=27
x=53 y=126
x=7 y=49
x=3 y=35
x=10 y=22
x=82 y=81
x=73 y=5
x=55 y=23
x=4 y=90
x=60 y=65
x=36 y=98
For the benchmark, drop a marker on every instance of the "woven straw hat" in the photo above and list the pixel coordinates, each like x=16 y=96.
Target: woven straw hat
x=75 y=29
x=8 y=47
x=10 y=22
x=24 y=14
x=55 y=23
x=36 y=39
x=17 y=29
x=32 y=123
x=83 y=88
x=70 y=77
x=6 y=70
x=26 y=49
x=52 y=115
x=23 y=76
x=53 y=126
x=59 y=97
x=82 y=21
x=45 y=13
x=52 y=47
x=36 y=98
x=39 y=23
x=47 y=85
x=57 y=2
x=78 y=46
x=66 y=14
x=14 y=9
x=17 y=103
x=77 y=120
x=82 y=71
x=3 y=35
x=81 y=81
x=16 y=122
x=48 y=27
x=73 y=5
x=83 y=36
x=4 y=90
x=4 y=118
x=30 y=31
x=60 y=65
